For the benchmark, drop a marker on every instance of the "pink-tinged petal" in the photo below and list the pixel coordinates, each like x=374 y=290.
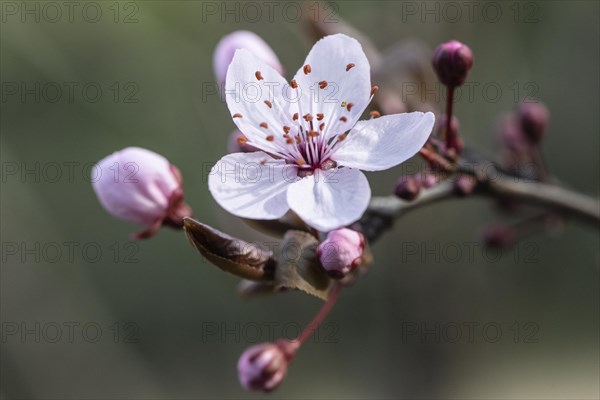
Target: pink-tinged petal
x=384 y=142
x=330 y=199
x=255 y=95
x=227 y=46
x=252 y=185
x=135 y=184
x=338 y=61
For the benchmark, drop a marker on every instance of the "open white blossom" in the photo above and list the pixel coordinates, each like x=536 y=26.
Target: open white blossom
x=312 y=144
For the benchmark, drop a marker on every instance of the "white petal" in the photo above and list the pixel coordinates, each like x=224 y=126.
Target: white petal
x=328 y=60
x=246 y=95
x=330 y=199
x=252 y=185
x=384 y=142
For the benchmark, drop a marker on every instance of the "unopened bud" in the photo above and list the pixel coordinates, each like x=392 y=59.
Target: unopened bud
x=452 y=61
x=227 y=46
x=138 y=185
x=534 y=119
x=464 y=185
x=499 y=236
x=341 y=252
x=407 y=187
x=428 y=180
x=262 y=367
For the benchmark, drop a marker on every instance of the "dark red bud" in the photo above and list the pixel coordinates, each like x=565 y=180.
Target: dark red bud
x=407 y=188
x=464 y=185
x=499 y=236
x=452 y=61
x=533 y=118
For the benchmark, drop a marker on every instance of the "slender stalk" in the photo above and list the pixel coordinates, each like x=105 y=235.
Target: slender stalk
x=321 y=315
x=449 y=104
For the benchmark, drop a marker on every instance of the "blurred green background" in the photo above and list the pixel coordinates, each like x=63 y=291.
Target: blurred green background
x=172 y=325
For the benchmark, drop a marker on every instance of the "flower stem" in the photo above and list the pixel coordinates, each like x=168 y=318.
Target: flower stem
x=321 y=315
x=449 y=103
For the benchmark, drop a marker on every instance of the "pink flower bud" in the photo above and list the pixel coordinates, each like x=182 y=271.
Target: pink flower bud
x=227 y=46
x=534 y=119
x=452 y=61
x=138 y=185
x=407 y=187
x=499 y=236
x=263 y=366
x=428 y=180
x=464 y=185
x=341 y=252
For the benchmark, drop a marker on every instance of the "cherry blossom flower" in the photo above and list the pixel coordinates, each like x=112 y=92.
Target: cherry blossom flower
x=312 y=144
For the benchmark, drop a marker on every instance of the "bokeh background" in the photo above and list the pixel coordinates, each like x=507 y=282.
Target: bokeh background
x=172 y=325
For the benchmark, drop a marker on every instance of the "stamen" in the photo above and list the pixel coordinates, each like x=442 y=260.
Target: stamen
x=307 y=69
x=242 y=140
x=375 y=114
x=295 y=117
x=294 y=84
x=300 y=161
x=237 y=115
x=269 y=104
x=289 y=140
x=320 y=116
x=343 y=119
x=374 y=90
x=322 y=126
x=323 y=84
x=342 y=136
x=258 y=75
x=264 y=125
x=344 y=104
x=270 y=138
x=350 y=105
x=349 y=67
x=263 y=161
x=308 y=117
x=298 y=139
x=313 y=133
x=286 y=129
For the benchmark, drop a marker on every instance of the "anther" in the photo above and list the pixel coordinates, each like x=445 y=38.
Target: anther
x=349 y=67
x=242 y=140
x=349 y=106
x=237 y=115
x=343 y=119
x=307 y=117
x=323 y=84
x=270 y=138
x=320 y=116
x=313 y=133
x=344 y=104
x=307 y=69
x=258 y=75
x=322 y=126
x=286 y=129
x=375 y=114
x=264 y=125
x=269 y=104
x=342 y=136
x=374 y=90
x=295 y=117
x=294 y=84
